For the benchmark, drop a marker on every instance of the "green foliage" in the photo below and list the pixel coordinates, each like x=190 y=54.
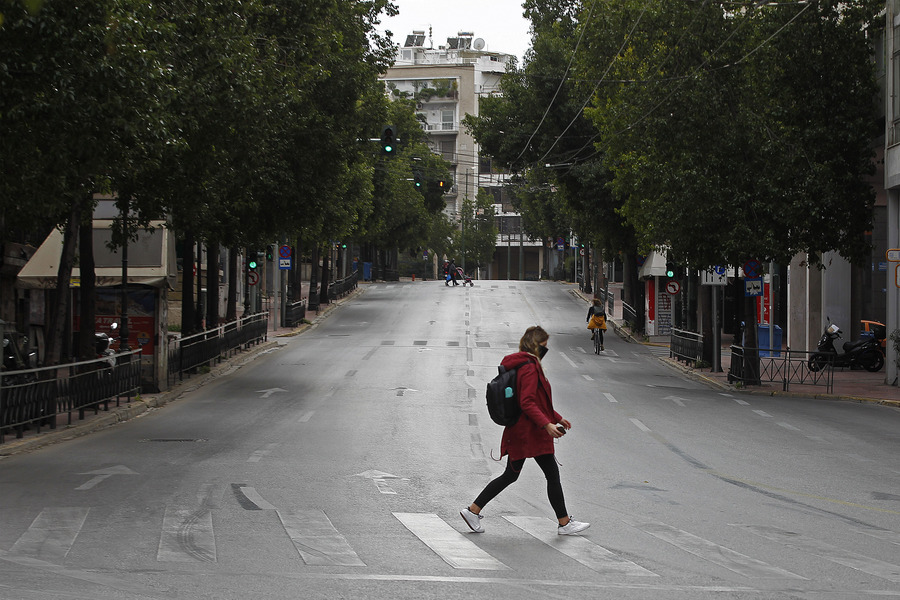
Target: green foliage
x=474 y=242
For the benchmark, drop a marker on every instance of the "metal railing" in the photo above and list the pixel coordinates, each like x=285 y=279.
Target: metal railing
x=785 y=367
x=629 y=315
x=36 y=397
x=295 y=313
x=189 y=353
x=686 y=346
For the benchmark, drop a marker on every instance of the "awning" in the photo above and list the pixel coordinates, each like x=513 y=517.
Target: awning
x=654 y=265
x=151 y=259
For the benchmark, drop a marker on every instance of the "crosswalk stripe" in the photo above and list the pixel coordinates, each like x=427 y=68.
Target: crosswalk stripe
x=714 y=553
x=581 y=549
x=854 y=560
x=51 y=534
x=187 y=536
x=316 y=539
x=449 y=544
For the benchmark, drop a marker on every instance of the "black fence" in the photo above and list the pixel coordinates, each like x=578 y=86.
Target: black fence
x=34 y=398
x=336 y=289
x=751 y=366
x=629 y=315
x=214 y=345
x=295 y=313
x=686 y=346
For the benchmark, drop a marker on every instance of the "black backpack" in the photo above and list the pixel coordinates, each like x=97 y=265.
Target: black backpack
x=502 y=397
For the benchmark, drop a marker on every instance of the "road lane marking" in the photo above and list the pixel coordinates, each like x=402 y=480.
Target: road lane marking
x=450 y=545
x=762 y=413
x=187 y=536
x=576 y=547
x=588 y=377
x=316 y=539
x=854 y=560
x=610 y=397
x=569 y=360
x=259 y=454
x=51 y=534
x=741 y=402
x=640 y=425
x=102 y=474
x=676 y=399
x=712 y=552
x=379 y=478
x=253 y=501
x=788 y=426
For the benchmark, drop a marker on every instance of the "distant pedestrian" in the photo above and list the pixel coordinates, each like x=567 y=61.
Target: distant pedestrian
x=596 y=320
x=446 y=272
x=532 y=436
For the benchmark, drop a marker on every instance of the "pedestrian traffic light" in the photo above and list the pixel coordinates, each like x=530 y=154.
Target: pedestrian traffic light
x=270 y=253
x=388 y=140
x=251 y=263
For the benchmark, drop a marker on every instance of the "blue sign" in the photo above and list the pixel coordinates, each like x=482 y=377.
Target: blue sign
x=753 y=287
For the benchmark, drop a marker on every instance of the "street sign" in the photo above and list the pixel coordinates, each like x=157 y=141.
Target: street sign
x=673 y=287
x=284 y=252
x=252 y=277
x=284 y=263
x=560 y=244
x=714 y=277
x=893 y=255
x=752 y=268
x=753 y=287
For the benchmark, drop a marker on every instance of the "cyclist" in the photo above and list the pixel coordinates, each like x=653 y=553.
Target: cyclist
x=596 y=320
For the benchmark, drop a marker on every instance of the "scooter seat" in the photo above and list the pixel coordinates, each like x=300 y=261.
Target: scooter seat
x=848 y=346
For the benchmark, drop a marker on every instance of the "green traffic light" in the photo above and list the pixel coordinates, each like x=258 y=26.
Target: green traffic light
x=670 y=274
x=252 y=264
x=388 y=148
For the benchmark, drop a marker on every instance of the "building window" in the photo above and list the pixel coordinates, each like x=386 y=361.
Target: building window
x=447 y=120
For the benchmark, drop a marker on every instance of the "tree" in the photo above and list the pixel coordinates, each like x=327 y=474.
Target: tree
x=473 y=244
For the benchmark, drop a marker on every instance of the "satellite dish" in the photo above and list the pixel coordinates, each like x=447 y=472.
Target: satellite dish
x=479 y=44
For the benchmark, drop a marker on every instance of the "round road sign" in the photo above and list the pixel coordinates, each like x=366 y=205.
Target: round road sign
x=673 y=287
x=253 y=278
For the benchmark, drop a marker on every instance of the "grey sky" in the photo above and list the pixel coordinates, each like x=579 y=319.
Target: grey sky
x=498 y=22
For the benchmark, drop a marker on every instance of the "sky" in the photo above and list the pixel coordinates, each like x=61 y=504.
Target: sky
x=498 y=22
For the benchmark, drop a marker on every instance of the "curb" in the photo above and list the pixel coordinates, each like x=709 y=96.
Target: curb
x=143 y=404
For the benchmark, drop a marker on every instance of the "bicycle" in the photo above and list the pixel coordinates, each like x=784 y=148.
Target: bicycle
x=597 y=346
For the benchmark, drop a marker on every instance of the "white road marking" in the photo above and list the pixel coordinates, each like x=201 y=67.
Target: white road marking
x=788 y=426
x=187 y=536
x=316 y=539
x=102 y=474
x=569 y=360
x=610 y=397
x=762 y=413
x=259 y=454
x=379 y=479
x=51 y=534
x=581 y=549
x=675 y=399
x=269 y=392
x=253 y=496
x=714 y=553
x=453 y=547
x=640 y=425
x=854 y=560
x=306 y=416
x=741 y=402
x=588 y=377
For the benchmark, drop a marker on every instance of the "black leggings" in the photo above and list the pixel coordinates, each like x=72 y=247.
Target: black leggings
x=547 y=463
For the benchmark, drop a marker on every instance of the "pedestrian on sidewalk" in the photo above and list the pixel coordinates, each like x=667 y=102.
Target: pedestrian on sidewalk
x=596 y=320
x=531 y=436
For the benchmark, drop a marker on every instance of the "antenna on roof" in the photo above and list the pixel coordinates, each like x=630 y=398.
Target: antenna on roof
x=479 y=44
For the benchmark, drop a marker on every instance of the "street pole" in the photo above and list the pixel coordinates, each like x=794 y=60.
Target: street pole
x=124 y=332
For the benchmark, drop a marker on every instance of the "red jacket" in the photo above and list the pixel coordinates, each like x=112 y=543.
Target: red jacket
x=527 y=438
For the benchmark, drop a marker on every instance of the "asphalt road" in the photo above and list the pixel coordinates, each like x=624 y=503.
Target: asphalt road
x=334 y=466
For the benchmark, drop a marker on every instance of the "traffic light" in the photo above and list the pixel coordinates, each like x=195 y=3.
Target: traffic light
x=418 y=180
x=251 y=262
x=388 y=140
x=670 y=269
x=270 y=253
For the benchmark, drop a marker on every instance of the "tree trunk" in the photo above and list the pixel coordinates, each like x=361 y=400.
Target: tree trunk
x=56 y=326
x=188 y=320
x=87 y=291
x=212 y=285
x=751 y=344
x=231 y=308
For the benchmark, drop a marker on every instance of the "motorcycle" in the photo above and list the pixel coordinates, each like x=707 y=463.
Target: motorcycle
x=861 y=354
x=103 y=344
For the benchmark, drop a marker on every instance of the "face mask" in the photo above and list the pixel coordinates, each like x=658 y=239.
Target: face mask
x=542 y=351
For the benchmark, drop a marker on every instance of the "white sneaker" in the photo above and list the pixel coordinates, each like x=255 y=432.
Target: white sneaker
x=572 y=527
x=472 y=520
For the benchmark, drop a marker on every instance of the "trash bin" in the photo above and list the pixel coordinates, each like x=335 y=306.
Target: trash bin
x=762 y=338
x=367 y=271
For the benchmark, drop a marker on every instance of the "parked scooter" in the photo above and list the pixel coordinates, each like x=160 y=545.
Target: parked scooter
x=103 y=344
x=861 y=354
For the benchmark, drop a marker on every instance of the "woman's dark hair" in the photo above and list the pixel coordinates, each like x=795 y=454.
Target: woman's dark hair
x=534 y=336
x=598 y=302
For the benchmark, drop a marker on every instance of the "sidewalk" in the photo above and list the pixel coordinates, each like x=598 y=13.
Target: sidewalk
x=34 y=439
x=855 y=386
